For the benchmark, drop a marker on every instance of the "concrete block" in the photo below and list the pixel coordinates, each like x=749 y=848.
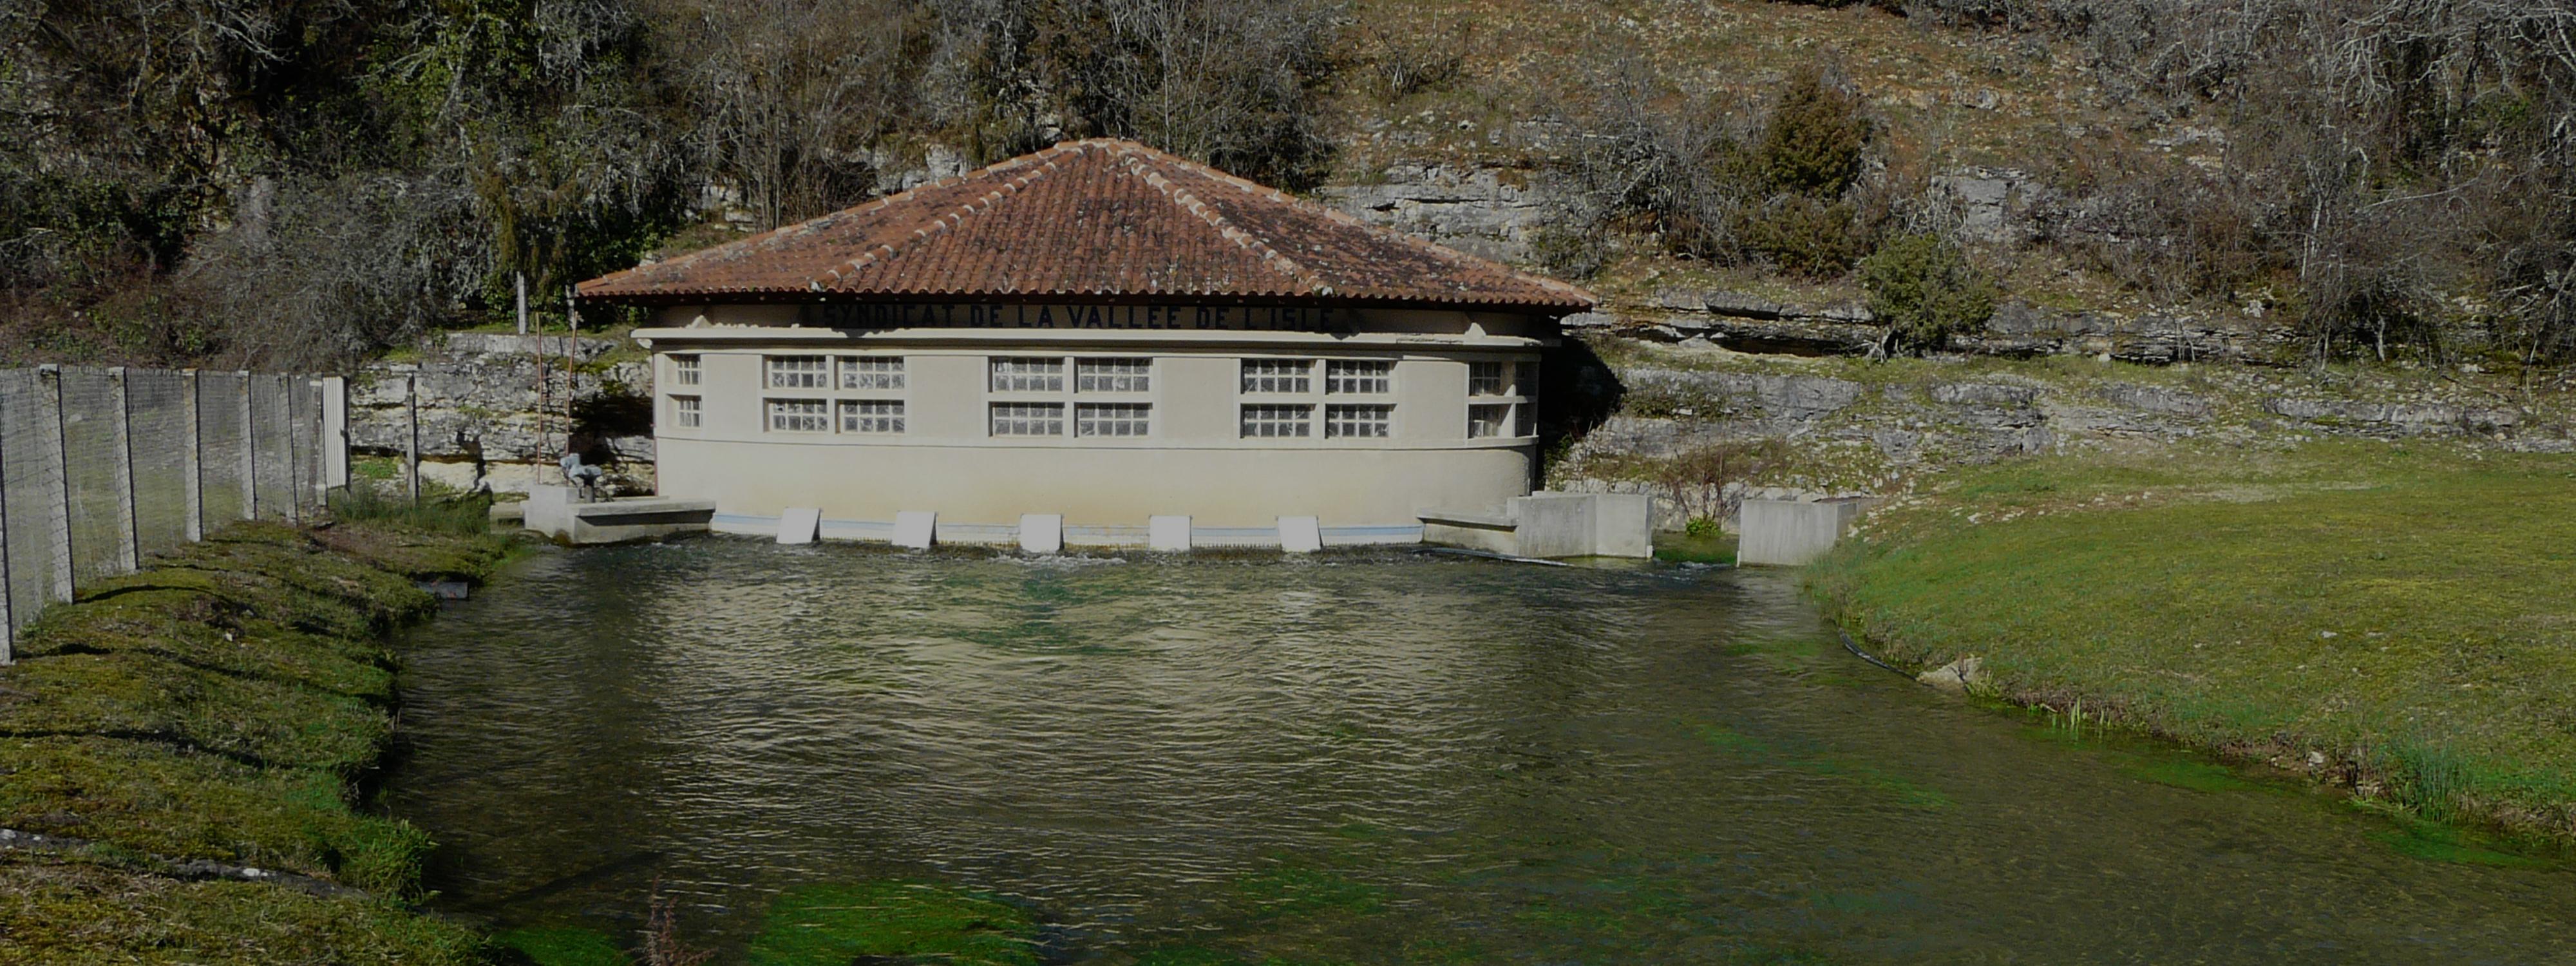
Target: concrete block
x=799 y=524
x=1789 y=533
x=1168 y=534
x=549 y=511
x=1623 y=525
x=1301 y=534
x=1553 y=525
x=1041 y=533
x=913 y=528
x=1489 y=532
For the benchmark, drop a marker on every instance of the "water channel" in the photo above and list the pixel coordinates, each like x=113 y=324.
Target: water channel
x=1380 y=757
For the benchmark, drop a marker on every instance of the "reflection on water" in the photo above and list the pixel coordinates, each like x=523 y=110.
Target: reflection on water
x=1351 y=758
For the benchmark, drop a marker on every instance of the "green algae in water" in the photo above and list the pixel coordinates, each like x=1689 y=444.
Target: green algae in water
x=833 y=925
x=564 y=946
x=2437 y=842
x=2198 y=776
x=1907 y=792
x=1297 y=890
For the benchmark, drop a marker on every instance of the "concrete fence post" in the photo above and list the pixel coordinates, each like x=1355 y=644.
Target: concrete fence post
x=58 y=504
x=129 y=542
x=8 y=622
x=192 y=456
x=250 y=451
x=335 y=432
x=411 y=437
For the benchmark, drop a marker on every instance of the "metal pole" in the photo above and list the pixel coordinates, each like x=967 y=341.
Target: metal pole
x=193 y=454
x=49 y=397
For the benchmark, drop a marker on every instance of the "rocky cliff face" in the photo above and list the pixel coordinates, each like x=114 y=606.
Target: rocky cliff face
x=495 y=413
x=1482 y=210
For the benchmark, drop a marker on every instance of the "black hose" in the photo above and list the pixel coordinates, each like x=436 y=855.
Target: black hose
x=1864 y=655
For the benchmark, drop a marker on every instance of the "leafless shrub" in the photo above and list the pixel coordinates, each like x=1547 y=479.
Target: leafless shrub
x=1406 y=64
x=1696 y=481
x=1790 y=183
x=662 y=945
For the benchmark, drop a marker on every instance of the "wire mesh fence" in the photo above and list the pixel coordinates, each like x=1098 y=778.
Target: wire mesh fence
x=102 y=467
x=223 y=448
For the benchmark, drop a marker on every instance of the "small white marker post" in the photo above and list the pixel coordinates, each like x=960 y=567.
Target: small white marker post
x=1041 y=532
x=914 y=529
x=1168 y=534
x=1300 y=534
x=799 y=524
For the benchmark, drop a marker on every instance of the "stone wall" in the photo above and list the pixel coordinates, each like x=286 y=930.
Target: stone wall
x=1855 y=428
x=486 y=421
x=1750 y=323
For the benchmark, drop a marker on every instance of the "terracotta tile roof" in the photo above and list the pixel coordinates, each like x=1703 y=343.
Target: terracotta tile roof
x=1102 y=219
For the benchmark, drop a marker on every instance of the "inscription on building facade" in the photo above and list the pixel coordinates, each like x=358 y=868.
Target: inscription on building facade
x=970 y=315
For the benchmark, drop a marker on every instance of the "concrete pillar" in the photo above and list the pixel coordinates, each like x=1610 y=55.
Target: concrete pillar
x=49 y=395
x=192 y=453
x=295 y=458
x=250 y=450
x=1041 y=533
x=1169 y=534
x=129 y=544
x=335 y=432
x=8 y=626
x=1301 y=534
x=411 y=437
x=915 y=528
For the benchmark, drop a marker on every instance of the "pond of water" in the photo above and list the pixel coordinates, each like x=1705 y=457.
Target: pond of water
x=1381 y=757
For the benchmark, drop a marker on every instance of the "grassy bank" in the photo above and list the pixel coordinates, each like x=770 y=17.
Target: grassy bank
x=214 y=713
x=2398 y=618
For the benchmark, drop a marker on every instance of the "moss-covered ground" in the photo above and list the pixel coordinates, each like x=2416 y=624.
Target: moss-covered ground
x=221 y=706
x=2401 y=618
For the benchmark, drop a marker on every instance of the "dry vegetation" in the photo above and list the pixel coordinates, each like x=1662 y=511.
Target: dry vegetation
x=300 y=181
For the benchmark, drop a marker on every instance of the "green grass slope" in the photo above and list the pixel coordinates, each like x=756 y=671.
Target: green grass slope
x=2401 y=618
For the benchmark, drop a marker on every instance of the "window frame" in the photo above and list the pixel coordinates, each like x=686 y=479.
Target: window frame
x=1518 y=400
x=688 y=369
x=770 y=414
x=1387 y=425
x=688 y=411
x=770 y=372
x=844 y=411
x=1141 y=372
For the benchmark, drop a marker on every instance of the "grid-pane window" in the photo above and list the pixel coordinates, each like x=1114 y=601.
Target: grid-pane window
x=799 y=416
x=1488 y=420
x=1358 y=422
x=1112 y=419
x=1028 y=374
x=685 y=413
x=1278 y=422
x=1358 y=376
x=872 y=372
x=1028 y=419
x=1488 y=378
x=684 y=370
x=1113 y=375
x=798 y=372
x=1278 y=375
x=872 y=415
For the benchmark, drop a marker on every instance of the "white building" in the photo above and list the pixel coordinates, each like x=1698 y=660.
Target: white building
x=1101 y=331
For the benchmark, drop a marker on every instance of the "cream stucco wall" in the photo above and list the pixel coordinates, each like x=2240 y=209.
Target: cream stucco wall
x=1194 y=459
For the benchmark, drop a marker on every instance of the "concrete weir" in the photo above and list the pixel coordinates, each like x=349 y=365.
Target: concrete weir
x=1547 y=525
x=554 y=512
x=1793 y=533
